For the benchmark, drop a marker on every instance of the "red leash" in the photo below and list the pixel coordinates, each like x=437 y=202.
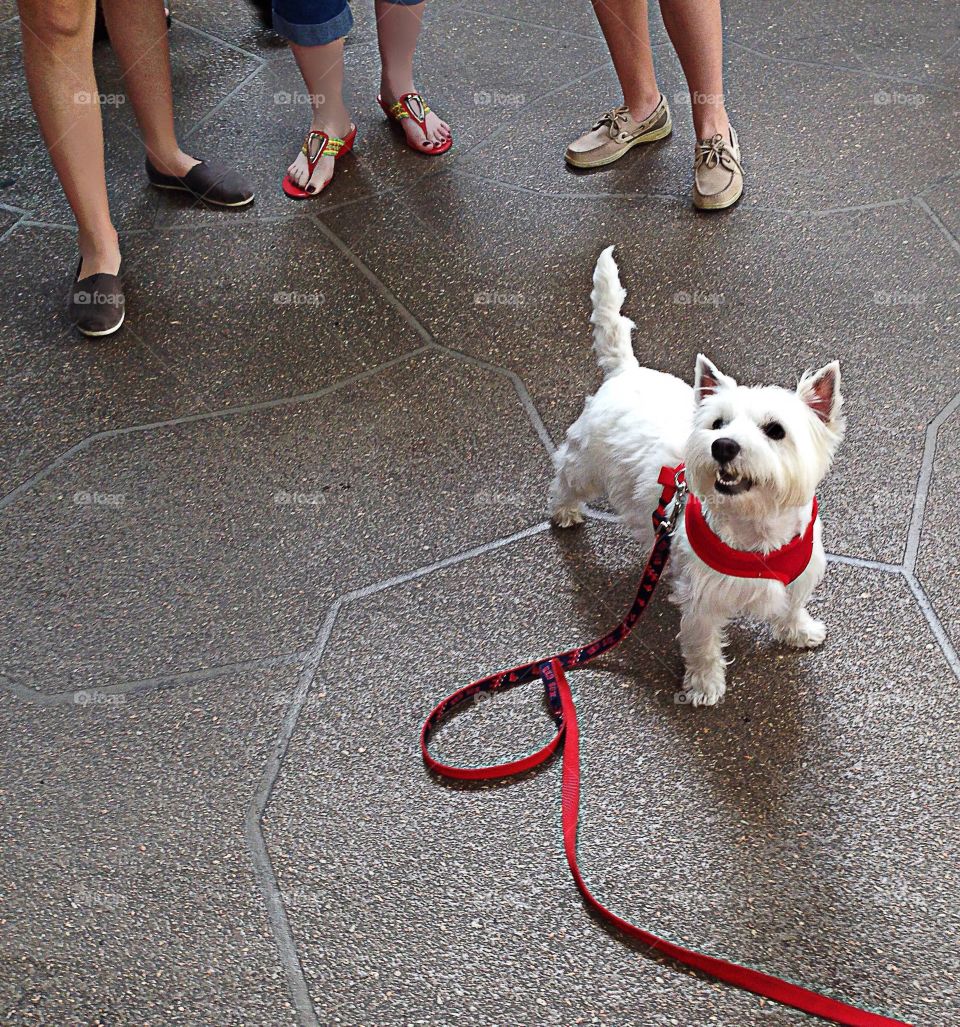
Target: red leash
x=563 y=711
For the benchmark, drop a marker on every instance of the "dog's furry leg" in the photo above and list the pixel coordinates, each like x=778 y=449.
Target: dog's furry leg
x=701 y=642
x=567 y=492
x=797 y=628
x=566 y=510
x=800 y=630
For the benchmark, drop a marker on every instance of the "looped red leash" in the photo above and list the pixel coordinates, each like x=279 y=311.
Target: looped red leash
x=552 y=672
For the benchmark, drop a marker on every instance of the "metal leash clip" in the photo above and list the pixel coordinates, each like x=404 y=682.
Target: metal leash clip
x=674 y=511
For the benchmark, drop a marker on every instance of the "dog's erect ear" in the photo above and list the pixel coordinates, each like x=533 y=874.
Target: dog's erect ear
x=821 y=392
x=708 y=379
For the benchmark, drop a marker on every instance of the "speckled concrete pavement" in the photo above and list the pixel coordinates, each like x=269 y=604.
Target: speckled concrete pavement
x=249 y=542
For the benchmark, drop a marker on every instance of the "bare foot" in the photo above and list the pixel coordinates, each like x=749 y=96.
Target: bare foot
x=438 y=131
x=299 y=170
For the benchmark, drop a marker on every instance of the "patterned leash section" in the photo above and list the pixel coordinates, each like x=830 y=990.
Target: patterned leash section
x=563 y=711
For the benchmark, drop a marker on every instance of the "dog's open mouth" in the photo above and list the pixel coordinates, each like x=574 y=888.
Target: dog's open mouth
x=730 y=483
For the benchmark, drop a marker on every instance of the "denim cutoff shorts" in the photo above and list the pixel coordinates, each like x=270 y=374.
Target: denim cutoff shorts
x=315 y=22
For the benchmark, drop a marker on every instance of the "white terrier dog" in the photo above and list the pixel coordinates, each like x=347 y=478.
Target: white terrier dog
x=754 y=458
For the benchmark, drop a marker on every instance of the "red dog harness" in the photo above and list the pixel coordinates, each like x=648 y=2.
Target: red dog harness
x=785 y=564
x=560 y=699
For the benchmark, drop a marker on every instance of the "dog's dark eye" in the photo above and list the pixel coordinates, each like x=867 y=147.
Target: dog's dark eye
x=718 y=424
x=774 y=430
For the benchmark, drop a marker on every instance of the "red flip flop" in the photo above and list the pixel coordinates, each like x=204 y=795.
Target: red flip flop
x=315 y=146
x=414 y=107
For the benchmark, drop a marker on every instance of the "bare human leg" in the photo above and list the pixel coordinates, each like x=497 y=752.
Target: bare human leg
x=138 y=35
x=695 y=29
x=627 y=33
x=398 y=29
x=57 y=56
x=322 y=71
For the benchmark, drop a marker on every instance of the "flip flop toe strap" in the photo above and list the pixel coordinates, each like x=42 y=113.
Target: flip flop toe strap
x=319 y=144
x=412 y=106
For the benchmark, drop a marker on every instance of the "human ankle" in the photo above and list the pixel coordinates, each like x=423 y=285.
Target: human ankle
x=330 y=119
x=99 y=241
x=393 y=86
x=99 y=251
x=643 y=106
x=710 y=122
x=171 y=162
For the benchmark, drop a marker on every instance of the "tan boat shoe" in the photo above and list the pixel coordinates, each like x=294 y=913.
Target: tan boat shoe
x=615 y=133
x=717 y=173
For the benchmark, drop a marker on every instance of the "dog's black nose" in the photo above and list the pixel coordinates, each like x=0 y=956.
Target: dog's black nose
x=724 y=450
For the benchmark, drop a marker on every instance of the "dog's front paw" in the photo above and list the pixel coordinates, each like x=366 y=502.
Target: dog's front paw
x=703 y=687
x=567 y=517
x=803 y=633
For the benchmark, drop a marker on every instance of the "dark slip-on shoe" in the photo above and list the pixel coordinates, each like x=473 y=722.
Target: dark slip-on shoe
x=209 y=181
x=96 y=304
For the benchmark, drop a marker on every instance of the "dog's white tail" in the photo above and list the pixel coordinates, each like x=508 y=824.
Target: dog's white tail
x=611 y=332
